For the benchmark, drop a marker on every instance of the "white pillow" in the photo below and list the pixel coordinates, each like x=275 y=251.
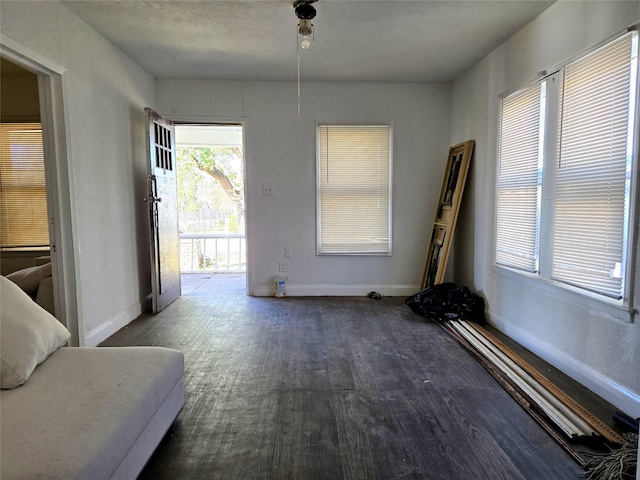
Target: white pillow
x=28 y=335
x=28 y=279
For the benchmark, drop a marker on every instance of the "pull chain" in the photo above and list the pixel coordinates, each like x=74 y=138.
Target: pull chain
x=298 y=52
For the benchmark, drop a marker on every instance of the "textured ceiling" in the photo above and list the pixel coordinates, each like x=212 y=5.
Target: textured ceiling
x=355 y=40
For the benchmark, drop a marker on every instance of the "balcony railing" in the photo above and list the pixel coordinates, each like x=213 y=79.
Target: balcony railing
x=213 y=252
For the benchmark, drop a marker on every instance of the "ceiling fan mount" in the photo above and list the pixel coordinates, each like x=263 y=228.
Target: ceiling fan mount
x=305 y=13
x=304 y=9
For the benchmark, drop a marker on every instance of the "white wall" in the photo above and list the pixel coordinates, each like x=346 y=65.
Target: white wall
x=596 y=345
x=104 y=95
x=280 y=150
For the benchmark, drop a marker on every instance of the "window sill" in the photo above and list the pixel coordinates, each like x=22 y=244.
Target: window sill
x=615 y=308
x=355 y=254
x=6 y=250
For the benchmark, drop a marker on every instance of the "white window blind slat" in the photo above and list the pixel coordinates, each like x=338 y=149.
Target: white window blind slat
x=593 y=173
x=519 y=177
x=354 y=189
x=23 y=202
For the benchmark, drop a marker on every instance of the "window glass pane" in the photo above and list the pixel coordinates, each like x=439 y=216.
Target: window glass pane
x=519 y=179
x=594 y=169
x=354 y=185
x=23 y=203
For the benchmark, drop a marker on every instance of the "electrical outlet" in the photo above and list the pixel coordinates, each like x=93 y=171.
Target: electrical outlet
x=283 y=267
x=287 y=252
x=267 y=189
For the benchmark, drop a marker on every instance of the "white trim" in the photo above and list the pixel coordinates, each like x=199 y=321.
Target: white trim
x=24 y=55
x=622 y=397
x=325 y=290
x=106 y=329
x=634 y=211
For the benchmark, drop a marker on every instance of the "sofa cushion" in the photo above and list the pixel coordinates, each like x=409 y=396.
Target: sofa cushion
x=28 y=335
x=85 y=409
x=28 y=279
x=44 y=297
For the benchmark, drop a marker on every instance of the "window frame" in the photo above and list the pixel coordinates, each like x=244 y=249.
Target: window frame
x=518 y=180
x=388 y=251
x=543 y=278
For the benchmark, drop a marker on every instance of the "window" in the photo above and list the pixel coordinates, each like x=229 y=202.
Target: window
x=520 y=179
x=354 y=189
x=23 y=206
x=566 y=151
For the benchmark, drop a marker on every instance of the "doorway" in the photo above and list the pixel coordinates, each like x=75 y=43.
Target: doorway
x=24 y=226
x=51 y=106
x=211 y=207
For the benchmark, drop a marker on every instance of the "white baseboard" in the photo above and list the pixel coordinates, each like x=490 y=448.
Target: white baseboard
x=618 y=395
x=104 y=331
x=294 y=290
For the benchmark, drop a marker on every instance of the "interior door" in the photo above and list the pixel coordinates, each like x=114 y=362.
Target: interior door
x=163 y=211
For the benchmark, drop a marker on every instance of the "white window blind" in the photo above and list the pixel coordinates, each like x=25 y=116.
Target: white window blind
x=23 y=208
x=592 y=188
x=354 y=189
x=519 y=179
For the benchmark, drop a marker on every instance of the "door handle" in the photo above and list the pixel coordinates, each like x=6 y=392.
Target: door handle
x=153 y=187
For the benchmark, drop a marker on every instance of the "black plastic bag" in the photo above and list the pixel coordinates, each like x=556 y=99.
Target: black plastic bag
x=448 y=301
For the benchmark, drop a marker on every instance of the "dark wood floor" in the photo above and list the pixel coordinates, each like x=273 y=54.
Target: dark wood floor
x=324 y=388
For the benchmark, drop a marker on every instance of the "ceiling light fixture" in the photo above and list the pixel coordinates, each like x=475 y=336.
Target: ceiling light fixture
x=305 y=13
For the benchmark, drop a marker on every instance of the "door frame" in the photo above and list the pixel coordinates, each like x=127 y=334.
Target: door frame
x=180 y=120
x=51 y=87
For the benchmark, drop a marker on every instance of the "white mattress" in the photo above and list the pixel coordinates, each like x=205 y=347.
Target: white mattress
x=90 y=413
